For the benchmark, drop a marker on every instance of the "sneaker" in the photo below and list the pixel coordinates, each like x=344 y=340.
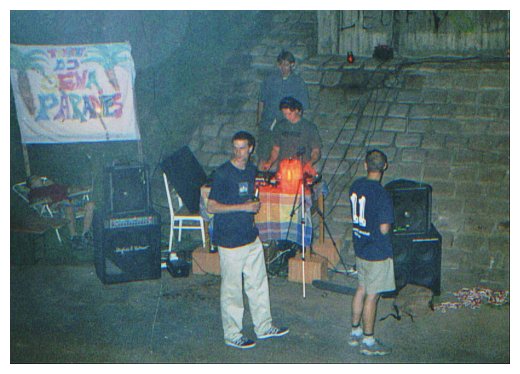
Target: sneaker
x=274 y=332
x=376 y=349
x=355 y=340
x=241 y=343
x=88 y=236
x=77 y=242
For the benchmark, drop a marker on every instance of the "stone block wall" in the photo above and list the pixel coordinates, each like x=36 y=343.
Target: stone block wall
x=444 y=123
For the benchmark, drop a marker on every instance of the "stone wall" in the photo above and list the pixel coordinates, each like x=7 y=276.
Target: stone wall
x=444 y=123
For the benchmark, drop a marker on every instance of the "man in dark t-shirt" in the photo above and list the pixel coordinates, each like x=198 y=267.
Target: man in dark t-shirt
x=241 y=253
x=372 y=217
x=294 y=137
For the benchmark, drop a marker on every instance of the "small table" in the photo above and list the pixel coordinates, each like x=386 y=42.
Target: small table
x=274 y=220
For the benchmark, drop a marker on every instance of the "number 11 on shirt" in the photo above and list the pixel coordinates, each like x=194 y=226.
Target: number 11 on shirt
x=358 y=209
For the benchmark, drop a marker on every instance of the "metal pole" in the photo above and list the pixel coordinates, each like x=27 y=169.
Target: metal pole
x=302 y=205
x=26 y=160
x=140 y=150
x=321 y=206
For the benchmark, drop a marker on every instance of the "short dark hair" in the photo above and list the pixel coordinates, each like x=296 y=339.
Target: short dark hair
x=376 y=160
x=285 y=56
x=291 y=103
x=244 y=135
x=32 y=180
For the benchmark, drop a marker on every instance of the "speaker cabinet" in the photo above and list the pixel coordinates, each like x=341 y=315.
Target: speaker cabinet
x=412 y=206
x=417 y=260
x=126 y=189
x=127 y=248
x=186 y=175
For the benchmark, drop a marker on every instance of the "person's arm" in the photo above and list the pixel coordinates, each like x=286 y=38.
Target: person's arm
x=315 y=155
x=216 y=207
x=275 y=152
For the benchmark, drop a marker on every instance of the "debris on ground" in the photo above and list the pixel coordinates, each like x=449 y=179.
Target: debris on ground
x=473 y=298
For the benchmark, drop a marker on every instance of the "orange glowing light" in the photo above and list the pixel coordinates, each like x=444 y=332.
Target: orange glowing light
x=289 y=175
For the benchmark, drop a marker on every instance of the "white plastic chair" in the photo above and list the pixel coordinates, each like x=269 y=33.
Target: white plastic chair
x=181 y=222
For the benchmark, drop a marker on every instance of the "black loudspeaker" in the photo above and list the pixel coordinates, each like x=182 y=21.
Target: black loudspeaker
x=417 y=260
x=127 y=248
x=412 y=206
x=186 y=175
x=126 y=189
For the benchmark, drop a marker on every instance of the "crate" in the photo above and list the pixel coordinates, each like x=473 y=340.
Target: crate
x=205 y=262
x=315 y=268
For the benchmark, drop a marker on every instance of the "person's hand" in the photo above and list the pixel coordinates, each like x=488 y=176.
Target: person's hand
x=252 y=206
x=309 y=169
x=264 y=166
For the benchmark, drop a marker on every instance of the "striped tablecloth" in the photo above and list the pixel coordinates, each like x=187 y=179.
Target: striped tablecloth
x=274 y=219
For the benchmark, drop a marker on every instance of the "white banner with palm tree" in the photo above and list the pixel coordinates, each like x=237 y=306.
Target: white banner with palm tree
x=74 y=93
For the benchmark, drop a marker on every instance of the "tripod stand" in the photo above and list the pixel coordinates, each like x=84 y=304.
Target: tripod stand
x=300 y=191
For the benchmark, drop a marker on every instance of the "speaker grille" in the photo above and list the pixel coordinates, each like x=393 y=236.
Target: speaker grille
x=412 y=206
x=417 y=260
x=127 y=190
x=127 y=254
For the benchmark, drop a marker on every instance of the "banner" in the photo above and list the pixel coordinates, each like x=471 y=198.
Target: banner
x=74 y=93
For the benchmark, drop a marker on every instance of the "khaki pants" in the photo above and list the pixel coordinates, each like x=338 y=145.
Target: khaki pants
x=247 y=261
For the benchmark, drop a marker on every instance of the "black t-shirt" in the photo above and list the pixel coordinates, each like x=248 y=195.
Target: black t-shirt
x=233 y=186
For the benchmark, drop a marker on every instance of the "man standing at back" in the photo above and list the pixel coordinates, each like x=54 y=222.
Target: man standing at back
x=232 y=200
x=282 y=83
x=372 y=219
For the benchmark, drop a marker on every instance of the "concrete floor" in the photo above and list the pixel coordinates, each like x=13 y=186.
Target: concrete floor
x=62 y=313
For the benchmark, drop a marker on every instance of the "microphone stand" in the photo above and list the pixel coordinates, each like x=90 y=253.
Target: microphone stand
x=300 y=190
x=320 y=213
x=303 y=232
x=302 y=222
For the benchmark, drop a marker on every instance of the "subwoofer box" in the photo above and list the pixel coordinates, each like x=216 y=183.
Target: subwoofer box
x=417 y=260
x=128 y=251
x=126 y=189
x=412 y=206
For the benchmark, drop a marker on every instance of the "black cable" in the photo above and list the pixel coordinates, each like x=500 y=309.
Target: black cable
x=320 y=213
x=360 y=117
x=346 y=122
x=359 y=157
x=398 y=67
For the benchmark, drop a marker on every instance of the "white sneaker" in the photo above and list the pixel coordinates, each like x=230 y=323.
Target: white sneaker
x=241 y=343
x=274 y=332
